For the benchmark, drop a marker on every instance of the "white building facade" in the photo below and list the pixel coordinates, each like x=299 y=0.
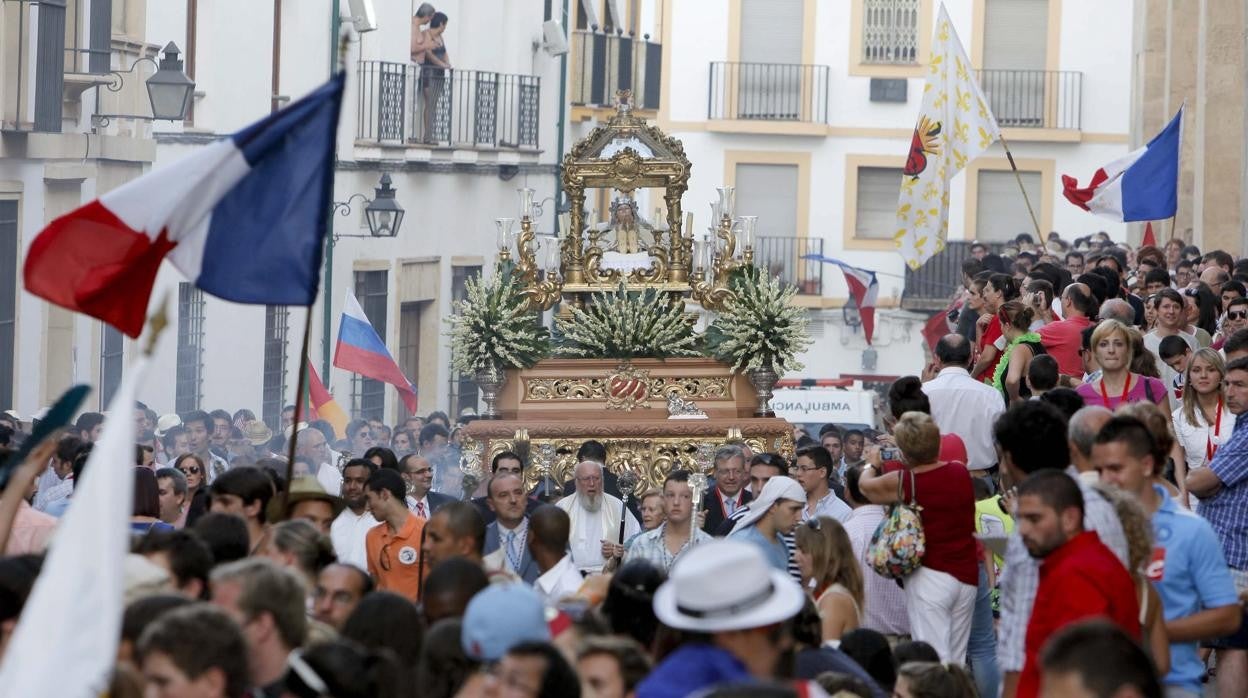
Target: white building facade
x=490 y=127
x=808 y=108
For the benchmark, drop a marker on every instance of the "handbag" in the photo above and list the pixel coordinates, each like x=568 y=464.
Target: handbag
x=898 y=543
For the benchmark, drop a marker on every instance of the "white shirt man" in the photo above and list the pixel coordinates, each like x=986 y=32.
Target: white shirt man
x=312 y=444
x=962 y=405
x=596 y=518
x=348 y=530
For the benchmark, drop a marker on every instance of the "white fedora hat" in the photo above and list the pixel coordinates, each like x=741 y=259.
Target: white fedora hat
x=726 y=585
x=167 y=422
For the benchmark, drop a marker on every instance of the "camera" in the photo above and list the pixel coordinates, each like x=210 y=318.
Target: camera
x=890 y=453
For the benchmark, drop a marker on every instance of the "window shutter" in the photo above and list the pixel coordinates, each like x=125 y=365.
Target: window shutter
x=1000 y=213
x=771 y=31
x=1016 y=34
x=769 y=192
x=879 y=188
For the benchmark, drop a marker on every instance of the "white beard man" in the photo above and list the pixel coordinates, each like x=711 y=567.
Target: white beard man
x=596 y=518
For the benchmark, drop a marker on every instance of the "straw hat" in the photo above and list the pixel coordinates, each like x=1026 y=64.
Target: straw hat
x=257 y=432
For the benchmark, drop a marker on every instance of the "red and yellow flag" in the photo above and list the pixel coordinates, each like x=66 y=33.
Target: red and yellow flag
x=321 y=404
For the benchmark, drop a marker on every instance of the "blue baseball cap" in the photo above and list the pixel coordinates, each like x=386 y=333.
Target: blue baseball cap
x=500 y=617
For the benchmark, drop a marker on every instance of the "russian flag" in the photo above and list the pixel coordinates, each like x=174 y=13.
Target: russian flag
x=361 y=351
x=1143 y=185
x=864 y=289
x=242 y=218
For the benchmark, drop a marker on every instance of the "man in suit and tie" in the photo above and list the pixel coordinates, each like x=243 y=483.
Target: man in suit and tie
x=505 y=538
x=504 y=463
x=417 y=472
x=729 y=493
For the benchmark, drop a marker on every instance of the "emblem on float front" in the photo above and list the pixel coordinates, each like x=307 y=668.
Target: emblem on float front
x=628 y=387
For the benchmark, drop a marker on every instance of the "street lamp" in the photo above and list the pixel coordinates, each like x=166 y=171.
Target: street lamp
x=384 y=216
x=169 y=90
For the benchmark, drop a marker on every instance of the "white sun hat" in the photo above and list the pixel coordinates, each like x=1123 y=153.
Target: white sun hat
x=167 y=422
x=777 y=488
x=726 y=585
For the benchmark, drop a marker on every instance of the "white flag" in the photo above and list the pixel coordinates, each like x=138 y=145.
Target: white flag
x=66 y=641
x=955 y=125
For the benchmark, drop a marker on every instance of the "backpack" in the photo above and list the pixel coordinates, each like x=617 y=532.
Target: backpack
x=898 y=543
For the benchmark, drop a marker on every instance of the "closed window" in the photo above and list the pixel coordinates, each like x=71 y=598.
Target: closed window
x=876 y=212
x=769 y=76
x=8 y=299
x=769 y=192
x=368 y=395
x=1015 y=57
x=188 y=388
x=273 y=397
x=111 y=363
x=1000 y=211
x=890 y=32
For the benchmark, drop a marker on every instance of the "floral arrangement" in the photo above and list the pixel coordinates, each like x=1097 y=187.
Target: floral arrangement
x=623 y=325
x=492 y=328
x=759 y=328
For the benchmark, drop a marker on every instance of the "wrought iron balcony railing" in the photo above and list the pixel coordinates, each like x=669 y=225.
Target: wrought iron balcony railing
x=933 y=285
x=1034 y=98
x=782 y=257
x=403 y=103
x=768 y=92
x=604 y=63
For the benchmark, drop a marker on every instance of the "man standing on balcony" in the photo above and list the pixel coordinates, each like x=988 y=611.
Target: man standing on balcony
x=424 y=13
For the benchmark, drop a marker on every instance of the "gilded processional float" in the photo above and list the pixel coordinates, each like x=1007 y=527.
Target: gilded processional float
x=626 y=363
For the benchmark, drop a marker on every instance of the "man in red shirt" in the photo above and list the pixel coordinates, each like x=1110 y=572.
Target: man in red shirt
x=1079 y=578
x=1063 y=339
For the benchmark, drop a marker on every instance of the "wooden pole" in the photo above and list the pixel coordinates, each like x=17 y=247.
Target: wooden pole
x=1034 y=222
x=302 y=384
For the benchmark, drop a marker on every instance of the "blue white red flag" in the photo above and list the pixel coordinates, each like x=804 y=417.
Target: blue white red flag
x=864 y=289
x=1142 y=185
x=360 y=350
x=242 y=218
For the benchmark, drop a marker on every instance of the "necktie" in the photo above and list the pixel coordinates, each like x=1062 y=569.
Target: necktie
x=731 y=504
x=420 y=510
x=512 y=557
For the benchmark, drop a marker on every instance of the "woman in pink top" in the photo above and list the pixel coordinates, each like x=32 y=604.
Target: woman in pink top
x=1112 y=346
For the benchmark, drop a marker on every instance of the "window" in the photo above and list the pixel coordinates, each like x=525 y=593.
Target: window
x=368 y=395
x=188 y=388
x=8 y=299
x=878 y=191
x=1000 y=211
x=273 y=399
x=463 y=388
x=111 y=364
x=890 y=32
x=769 y=192
x=1015 y=57
x=769 y=76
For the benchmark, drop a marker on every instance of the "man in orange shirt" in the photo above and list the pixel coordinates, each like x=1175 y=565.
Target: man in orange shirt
x=393 y=546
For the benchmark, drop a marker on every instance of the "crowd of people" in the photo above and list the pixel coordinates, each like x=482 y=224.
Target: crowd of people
x=1057 y=506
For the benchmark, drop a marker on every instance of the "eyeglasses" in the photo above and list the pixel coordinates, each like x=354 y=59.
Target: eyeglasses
x=190 y=470
x=590 y=479
x=1238 y=315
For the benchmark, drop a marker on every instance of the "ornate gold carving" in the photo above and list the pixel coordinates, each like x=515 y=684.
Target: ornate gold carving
x=595 y=388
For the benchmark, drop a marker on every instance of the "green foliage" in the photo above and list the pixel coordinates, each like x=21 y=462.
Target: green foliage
x=492 y=329
x=623 y=325
x=759 y=326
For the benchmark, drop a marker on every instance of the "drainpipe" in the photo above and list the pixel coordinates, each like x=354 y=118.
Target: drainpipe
x=562 y=123
x=327 y=298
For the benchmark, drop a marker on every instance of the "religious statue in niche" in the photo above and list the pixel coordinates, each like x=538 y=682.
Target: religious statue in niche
x=624 y=249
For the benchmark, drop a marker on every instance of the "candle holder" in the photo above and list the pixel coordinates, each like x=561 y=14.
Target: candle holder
x=503 y=232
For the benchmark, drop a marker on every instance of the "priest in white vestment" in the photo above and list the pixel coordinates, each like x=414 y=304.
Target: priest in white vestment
x=595 y=519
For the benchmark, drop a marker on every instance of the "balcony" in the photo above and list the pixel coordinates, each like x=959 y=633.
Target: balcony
x=768 y=92
x=603 y=63
x=932 y=286
x=457 y=108
x=782 y=257
x=1048 y=99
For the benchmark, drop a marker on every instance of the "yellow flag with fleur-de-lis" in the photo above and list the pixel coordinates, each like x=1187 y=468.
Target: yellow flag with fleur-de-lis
x=955 y=125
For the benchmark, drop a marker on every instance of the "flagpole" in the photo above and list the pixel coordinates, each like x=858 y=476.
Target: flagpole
x=294 y=424
x=1010 y=156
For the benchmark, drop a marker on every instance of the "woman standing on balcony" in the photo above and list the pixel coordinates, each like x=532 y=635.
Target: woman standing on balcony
x=433 y=63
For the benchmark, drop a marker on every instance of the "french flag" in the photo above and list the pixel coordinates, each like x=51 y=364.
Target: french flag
x=243 y=219
x=1142 y=185
x=361 y=351
x=864 y=289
